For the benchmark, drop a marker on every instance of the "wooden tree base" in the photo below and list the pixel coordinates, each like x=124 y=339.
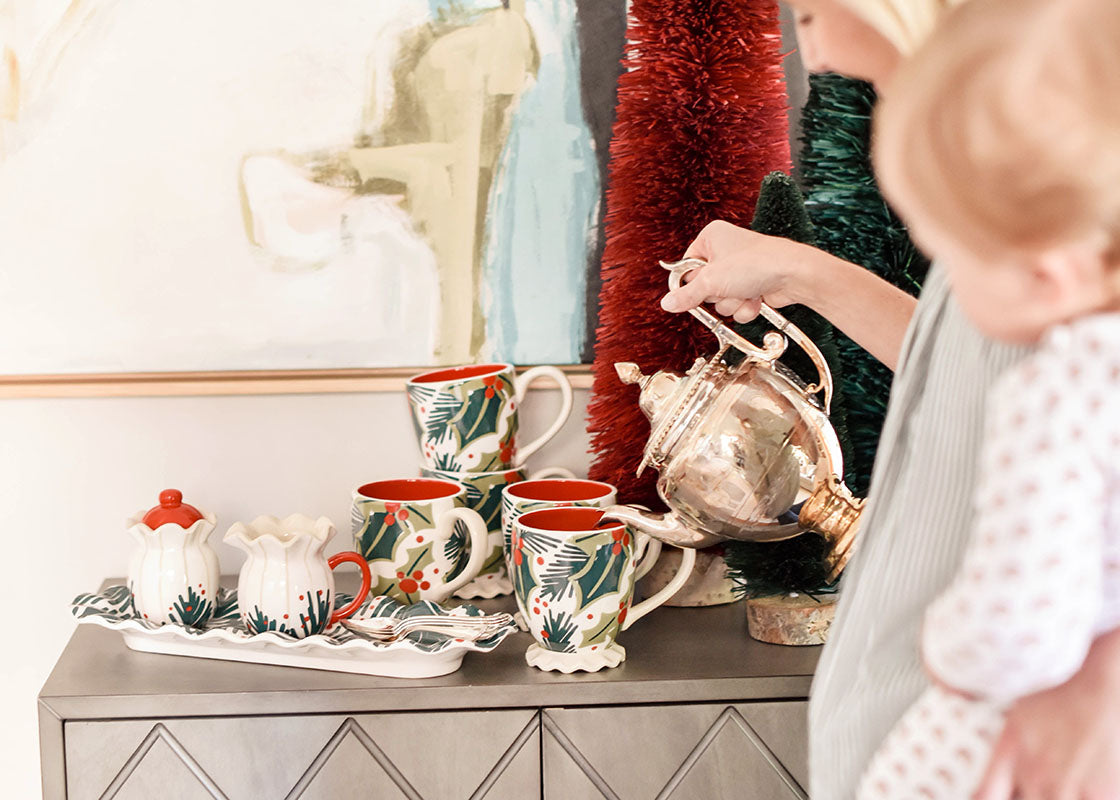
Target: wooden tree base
x=791 y=619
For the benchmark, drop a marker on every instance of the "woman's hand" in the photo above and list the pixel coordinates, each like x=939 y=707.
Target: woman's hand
x=744 y=269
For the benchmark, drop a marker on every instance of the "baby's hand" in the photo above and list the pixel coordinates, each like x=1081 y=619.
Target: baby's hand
x=744 y=269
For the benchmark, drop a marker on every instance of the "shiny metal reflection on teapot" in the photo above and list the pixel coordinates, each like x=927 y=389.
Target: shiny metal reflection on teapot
x=738 y=446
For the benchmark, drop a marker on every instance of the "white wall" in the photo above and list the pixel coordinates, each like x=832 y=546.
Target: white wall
x=72 y=470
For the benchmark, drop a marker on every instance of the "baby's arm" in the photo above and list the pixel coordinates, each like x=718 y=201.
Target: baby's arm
x=1020 y=615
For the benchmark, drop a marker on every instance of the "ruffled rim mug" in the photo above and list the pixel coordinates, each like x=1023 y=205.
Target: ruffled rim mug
x=574 y=576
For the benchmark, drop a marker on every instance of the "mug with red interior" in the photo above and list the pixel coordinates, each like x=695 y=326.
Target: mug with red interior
x=537 y=493
x=466 y=418
x=484 y=495
x=573 y=576
x=417 y=535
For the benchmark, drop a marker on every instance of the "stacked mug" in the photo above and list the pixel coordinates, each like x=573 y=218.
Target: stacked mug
x=466 y=422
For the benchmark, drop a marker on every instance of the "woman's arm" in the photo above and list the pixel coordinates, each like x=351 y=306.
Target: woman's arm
x=745 y=267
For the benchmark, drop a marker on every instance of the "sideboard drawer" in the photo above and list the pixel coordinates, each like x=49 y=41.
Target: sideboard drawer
x=491 y=754
x=694 y=751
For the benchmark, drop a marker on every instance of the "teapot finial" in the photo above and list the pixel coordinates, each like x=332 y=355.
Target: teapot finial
x=629 y=372
x=657 y=389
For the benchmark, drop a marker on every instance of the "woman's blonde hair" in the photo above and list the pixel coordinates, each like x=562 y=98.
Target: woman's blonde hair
x=1005 y=127
x=906 y=24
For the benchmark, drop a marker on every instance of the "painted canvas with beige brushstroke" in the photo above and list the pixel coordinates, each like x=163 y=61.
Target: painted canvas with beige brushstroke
x=273 y=184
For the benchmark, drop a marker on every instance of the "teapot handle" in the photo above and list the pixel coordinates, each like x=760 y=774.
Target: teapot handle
x=773 y=343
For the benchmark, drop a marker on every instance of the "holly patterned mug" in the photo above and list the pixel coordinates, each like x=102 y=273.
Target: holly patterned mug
x=574 y=575
x=417 y=535
x=537 y=493
x=466 y=418
x=484 y=495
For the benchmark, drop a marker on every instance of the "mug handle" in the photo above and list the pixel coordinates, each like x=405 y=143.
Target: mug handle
x=552 y=472
x=480 y=546
x=521 y=385
x=350 y=608
x=688 y=559
x=649 y=558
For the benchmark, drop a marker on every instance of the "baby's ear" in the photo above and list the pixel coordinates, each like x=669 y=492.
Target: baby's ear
x=1074 y=278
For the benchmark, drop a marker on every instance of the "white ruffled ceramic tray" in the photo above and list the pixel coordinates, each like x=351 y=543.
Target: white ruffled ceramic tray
x=418 y=655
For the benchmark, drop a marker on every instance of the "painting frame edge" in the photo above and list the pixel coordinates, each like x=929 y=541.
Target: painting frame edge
x=234 y=382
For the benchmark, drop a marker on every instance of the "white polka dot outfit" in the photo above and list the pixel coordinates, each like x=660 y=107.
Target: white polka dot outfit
x=1041 y=574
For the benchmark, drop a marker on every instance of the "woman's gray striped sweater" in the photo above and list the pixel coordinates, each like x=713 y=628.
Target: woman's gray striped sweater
x=912 y=539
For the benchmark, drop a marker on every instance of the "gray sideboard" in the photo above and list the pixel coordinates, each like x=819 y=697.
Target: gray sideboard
x=698 y=710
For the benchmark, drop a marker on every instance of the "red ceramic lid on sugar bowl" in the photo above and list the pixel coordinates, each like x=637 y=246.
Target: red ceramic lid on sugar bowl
x=171 y=508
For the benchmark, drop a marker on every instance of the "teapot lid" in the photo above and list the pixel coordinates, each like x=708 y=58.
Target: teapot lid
x=171 y=508
x=671 y=402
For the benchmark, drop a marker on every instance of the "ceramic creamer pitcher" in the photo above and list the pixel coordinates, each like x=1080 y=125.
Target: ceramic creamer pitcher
x=173 y=573
x=739 y=445
x=286 y=584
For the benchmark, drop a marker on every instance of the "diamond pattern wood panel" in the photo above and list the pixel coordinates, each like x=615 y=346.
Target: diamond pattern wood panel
x=703 y=751
x=484 y=755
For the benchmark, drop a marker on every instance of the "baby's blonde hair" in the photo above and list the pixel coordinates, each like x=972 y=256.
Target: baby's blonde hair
x=1005 y=127
x=906 y=24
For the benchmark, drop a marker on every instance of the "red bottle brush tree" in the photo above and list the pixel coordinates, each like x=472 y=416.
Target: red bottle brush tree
x=701 y=120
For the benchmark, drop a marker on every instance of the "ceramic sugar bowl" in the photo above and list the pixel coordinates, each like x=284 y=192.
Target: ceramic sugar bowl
x=173 y=574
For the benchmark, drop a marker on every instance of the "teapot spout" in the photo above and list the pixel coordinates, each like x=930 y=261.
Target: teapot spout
x=666 y=527
x=833 y=512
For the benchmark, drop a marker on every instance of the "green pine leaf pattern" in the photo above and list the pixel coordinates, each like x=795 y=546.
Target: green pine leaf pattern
x=114 y=606
x=116 y=601
x=538 y=542
x=557 y=629
x=441 y=410
x=556 y=580
x=257 y=622
x=454 y=546
x=194 y=610
x=318 y=612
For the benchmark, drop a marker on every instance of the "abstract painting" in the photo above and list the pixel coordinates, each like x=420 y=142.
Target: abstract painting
x=215 y=185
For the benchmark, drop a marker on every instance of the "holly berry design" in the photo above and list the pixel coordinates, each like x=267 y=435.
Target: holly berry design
x=194 y=609
x=379 y=530
x=413 y=583
x=413 y=580
x=507 y=449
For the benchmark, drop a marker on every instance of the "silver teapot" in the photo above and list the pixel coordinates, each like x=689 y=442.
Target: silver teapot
x=739 y=446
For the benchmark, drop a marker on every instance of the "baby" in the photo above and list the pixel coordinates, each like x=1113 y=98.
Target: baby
x=999 y=143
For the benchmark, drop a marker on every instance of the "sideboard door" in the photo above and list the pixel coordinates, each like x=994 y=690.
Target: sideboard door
x=677 y=752
x=483 y=755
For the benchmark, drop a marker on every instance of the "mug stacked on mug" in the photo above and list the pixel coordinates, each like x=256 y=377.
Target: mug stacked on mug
x=466 y=422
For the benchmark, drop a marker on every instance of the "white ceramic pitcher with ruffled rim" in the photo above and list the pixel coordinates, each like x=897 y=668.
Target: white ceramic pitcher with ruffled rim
x=286 y=584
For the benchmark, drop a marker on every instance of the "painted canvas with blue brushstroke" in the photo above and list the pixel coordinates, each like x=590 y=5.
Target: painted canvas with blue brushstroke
x=213 y=185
